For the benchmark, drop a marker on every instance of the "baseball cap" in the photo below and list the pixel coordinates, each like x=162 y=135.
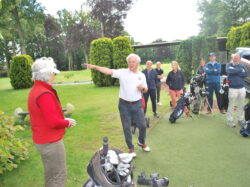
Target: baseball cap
x=212 y=54
x=45 y=64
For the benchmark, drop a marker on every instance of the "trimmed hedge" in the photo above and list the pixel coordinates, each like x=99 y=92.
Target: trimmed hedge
x=20 y=72
x=184 y=58
x=121 y=49
x=12 y=150
x=238 y=37
x=245 y=35
x=191 y=52
x=101 y=51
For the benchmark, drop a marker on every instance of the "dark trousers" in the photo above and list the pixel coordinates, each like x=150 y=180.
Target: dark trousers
x=132 y=112
x=152 y=94
x=158 y=91
x=213 y=87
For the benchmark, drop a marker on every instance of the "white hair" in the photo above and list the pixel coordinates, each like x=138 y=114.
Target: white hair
x=134 y=55
x=43 y=68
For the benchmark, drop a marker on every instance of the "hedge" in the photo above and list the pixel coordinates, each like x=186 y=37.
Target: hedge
x=20 y=72
x=121 y=49
x=184 y=58
x=12 y=150
x=245 y=35
x=101 y=54
x=238 y=37
x=191 y=52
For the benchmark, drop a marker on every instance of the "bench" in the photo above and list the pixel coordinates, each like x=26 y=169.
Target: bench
x=22 y=115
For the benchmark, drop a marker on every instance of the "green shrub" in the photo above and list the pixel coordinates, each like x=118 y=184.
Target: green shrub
x=121 y=49
x=3 y=73
x=12 y=149
x=245 y=35
x=20 y=72
x=233 y=39
x=184 y=58
x=101 y=54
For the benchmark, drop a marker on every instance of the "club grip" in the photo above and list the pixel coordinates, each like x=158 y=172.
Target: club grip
x=105 y=146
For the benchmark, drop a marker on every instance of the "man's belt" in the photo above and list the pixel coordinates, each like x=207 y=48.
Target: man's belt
x=129 y=102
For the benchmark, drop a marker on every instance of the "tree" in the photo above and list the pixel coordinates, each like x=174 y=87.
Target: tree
x=21 y=17
x=79 y=30
x=218 y=16
x=111 y=14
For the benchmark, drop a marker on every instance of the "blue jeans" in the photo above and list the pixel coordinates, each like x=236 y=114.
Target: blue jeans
x=213 y=87
x=132 y=112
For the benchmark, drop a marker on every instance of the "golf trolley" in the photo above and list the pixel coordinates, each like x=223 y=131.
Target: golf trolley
x=110 y=167
x=199 y=94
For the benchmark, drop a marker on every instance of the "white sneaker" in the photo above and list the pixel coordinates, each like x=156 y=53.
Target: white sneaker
x=231 y=124
x=144 y=147
x=159 y=103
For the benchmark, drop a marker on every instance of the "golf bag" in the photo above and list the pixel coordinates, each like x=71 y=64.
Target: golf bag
x=110 y=167
x=198 y=92
x=223 y=94
x=179 y=109
x=245 y=129
x=133 y=124
x=247 y=111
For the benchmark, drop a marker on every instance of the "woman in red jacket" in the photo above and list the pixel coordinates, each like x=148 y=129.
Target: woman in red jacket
x=47 y=122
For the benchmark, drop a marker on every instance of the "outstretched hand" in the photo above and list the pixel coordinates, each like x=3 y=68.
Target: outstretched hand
x=90 y=66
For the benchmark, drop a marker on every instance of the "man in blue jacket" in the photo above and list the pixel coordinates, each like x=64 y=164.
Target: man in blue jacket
x=213 y=70
x=236 y=73
x=151 y=78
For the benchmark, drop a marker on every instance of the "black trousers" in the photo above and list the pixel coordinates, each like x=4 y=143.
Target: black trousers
x=152 y=94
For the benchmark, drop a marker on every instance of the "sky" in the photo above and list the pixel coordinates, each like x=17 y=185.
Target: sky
x=148 y=20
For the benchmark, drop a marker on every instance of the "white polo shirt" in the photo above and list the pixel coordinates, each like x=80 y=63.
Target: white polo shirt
x=128 y=84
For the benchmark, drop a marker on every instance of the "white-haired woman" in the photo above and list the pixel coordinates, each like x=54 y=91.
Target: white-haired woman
x=132 y=85
x=47 y=122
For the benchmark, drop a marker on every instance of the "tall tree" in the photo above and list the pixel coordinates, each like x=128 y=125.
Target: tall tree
x=111 y=14
x=21 y=16
x=219 y=15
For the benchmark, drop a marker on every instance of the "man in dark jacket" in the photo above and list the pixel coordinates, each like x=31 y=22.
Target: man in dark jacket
x=236 y=73
x=213 y=70
x=151 y=78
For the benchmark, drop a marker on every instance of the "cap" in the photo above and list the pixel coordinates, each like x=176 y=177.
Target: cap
x=212 y=54
x=45 y=64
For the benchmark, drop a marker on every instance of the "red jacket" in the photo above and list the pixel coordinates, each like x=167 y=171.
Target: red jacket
x=46 y=116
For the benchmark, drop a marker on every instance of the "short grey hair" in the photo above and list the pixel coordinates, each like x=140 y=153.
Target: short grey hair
x=134 y=55
x=40 y=65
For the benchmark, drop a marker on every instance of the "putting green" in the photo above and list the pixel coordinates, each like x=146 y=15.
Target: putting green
x=198 y=152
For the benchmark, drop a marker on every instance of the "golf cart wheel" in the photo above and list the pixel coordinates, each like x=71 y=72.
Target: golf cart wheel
x=133 y=129
x=147 y=122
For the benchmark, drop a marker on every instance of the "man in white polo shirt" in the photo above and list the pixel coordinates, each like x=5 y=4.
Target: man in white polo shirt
x=132 y=85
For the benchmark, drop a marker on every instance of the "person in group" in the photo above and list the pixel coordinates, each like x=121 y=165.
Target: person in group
x=176 y=81
x=213 y=70
x=201 y=71
x=236 y=73
x=47 y=122
x=132 y=85
x=151 y=78
x=160 y=74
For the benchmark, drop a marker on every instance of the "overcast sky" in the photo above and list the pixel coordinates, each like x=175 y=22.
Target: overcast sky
x=148 y=20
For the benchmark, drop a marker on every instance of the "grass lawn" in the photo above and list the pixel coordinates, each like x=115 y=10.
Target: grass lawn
x=202 y=152
x=97 y=116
